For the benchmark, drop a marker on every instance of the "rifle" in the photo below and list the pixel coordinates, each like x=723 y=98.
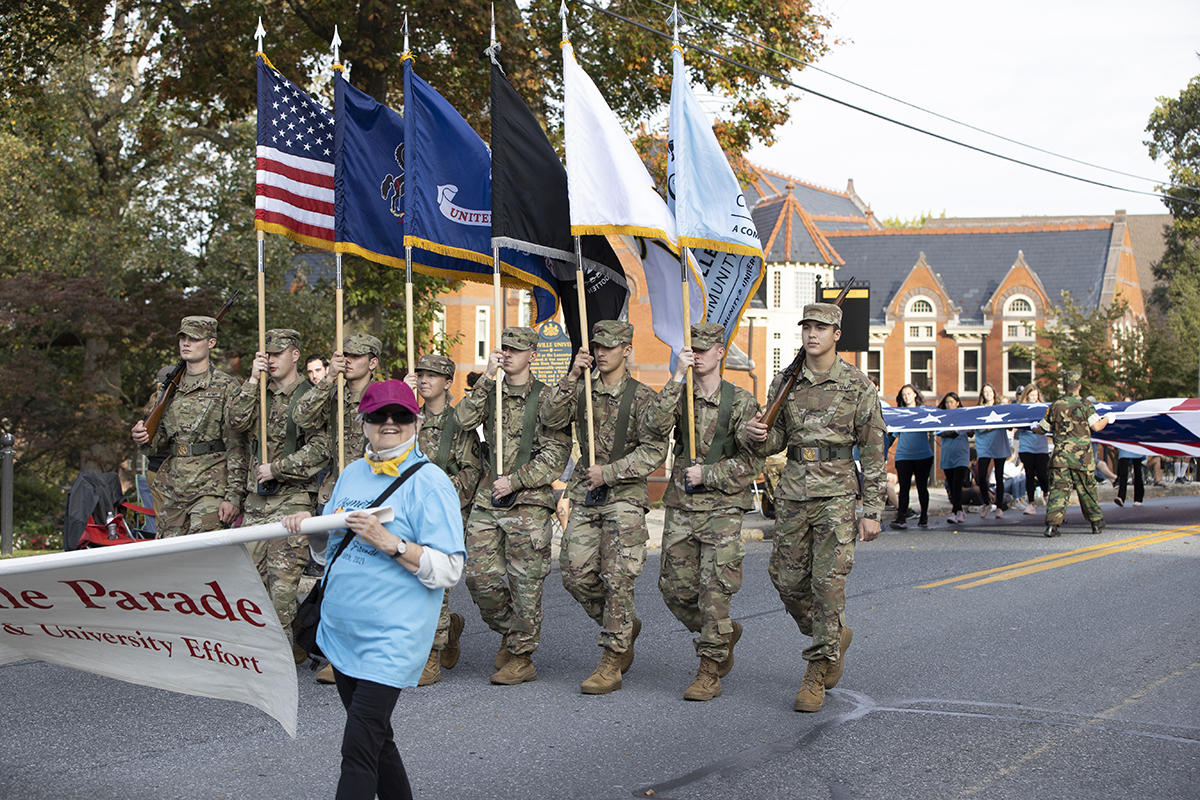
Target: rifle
x=173 y=379
x=793 y=369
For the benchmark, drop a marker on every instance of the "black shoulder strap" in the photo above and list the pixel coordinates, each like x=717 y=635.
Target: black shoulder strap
x=723 y=445
x=445 y=443
x=623 y=412
x=292 y=435
x=386 y=494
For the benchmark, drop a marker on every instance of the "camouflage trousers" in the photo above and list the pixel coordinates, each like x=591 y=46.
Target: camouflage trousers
x=603 y=553
x=1062 y=480
x=280 y=561
x=813 y=554
x=442 y=636
x=195 y=517
x=512 y=543
x=701 y=571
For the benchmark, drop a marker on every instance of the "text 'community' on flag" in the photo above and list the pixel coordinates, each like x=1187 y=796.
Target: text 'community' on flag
x=710 y=208
x=294 y=181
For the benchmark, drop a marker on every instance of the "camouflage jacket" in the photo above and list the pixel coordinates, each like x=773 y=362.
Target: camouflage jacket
x=317 y=410
x=645 y=437
x=838 y=409
x=1069 y=420
x=466 y=455
x=550 y=451
x=195 y=415
x=728 y=480
x=297 y=471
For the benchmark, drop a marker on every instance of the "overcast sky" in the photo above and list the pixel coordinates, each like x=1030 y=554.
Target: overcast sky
x=1073 y=77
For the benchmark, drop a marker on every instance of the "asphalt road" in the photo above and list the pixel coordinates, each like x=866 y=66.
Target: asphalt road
x=988 y=662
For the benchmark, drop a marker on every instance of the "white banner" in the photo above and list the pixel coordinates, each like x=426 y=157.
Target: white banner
x=188 y=614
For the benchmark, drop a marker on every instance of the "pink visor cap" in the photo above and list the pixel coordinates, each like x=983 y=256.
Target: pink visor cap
x=388 y=393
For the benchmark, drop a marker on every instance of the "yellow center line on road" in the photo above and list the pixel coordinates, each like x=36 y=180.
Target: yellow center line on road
x=1043 y=563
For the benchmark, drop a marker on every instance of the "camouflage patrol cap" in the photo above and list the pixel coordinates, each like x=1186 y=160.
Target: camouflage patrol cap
x=612 y=333
x=707 y=335
x=1071 y=378
x=198 y=327
x=362 y=344
x=519 y=338
x=822 y=312
x=280 y=339
x=435 y=363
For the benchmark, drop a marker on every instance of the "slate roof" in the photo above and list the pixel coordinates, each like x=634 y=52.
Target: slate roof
x=827 y=207
x=789 y=233
x=973 y=261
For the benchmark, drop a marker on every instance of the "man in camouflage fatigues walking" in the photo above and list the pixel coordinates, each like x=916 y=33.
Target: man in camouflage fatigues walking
x=701 y=566
x=511 y=537
x=604 y=545
x=294 y=458
x=832 y=408
x=1070 y=420
x=457 y=452
x=317 y=410
x=201 y=482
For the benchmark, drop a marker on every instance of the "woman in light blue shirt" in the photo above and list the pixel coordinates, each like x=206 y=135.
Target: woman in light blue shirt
x=1034 y=449
x=914 y=458
x=955 y=460
x=991 y=446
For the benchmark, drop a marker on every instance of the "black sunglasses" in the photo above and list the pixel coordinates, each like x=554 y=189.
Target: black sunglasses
x=382 y=415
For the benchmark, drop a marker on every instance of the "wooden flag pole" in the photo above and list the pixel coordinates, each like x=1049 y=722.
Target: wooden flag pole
x=262 y=344
x=583 y=336
x=687 y=342
x=499 y=326
x=341 y=379
x=408 y=309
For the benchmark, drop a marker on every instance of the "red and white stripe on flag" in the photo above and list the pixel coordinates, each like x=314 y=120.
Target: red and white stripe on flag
x=294 y=197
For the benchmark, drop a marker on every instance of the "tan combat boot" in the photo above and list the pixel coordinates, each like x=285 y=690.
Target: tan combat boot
x=707 y=683
x=627 y=656
x=518 y=669
x=726 y=665
x=299 y=654
x=834 y=673
x=811 y=696
x=433 y=672
x=326 y=674
x=606 y=677
x=453 y=648
x=502 y=656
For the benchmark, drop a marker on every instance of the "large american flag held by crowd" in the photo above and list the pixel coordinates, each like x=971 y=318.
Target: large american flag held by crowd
x=1165 y=427
x=294 y=192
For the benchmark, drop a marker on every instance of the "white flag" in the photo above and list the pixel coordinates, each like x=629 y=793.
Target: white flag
x=710 y=208
x=612 y=193
x=187 y=614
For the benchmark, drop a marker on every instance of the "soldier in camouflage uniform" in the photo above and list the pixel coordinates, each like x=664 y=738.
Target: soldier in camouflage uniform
x=1070 y=420
x=201 y=481
x=701 y=566
x=317 y=410
x=512 y=540
x=831 y=408
x=457 y=451
x=294 y=458
x=604 y=545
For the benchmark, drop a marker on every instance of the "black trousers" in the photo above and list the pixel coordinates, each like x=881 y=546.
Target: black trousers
x=371 y=763
x=981 y=474
x=905 y=470
x=1037 y=473
x=1139 y=491
x=955 y=477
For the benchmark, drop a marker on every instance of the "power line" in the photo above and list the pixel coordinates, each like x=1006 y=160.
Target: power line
x=914 y=128
x=809 y=65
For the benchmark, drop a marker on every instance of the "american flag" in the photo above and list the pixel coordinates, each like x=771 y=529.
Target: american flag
x=1164 y=427
x=294 y=162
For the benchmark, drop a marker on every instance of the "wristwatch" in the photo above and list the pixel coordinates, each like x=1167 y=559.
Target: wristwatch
x=401 y=549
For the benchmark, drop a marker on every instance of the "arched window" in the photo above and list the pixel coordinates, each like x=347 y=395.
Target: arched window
x=920 y=306
x=1019 y=305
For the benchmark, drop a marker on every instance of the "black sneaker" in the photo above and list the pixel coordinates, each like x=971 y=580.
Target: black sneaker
x=923 y=522
x=899 y=524
x=1120 y=501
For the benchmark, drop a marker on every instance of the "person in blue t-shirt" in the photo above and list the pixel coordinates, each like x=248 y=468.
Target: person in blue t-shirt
x=991 y=447
x=955 y=461
x=1034 y=450
x=383 y=593
x=914 y=458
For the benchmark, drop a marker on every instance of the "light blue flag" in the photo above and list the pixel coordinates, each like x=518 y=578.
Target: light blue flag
x=710 y=209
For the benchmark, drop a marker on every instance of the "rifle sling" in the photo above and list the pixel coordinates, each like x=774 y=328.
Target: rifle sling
x=528 y=426
x=723 y=445
x=445 y=444
x=622 y=428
